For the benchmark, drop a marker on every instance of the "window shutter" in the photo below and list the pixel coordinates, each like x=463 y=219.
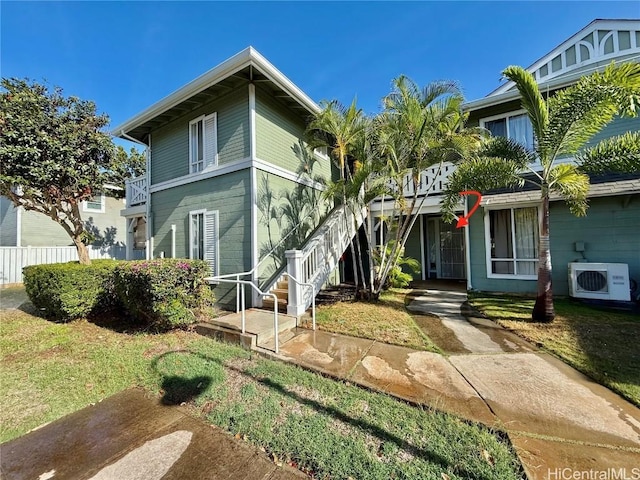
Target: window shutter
x=210 y=141
x=211 y=241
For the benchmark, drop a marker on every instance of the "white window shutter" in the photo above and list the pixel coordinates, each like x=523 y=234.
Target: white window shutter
x=210 y=141
x=211 y=241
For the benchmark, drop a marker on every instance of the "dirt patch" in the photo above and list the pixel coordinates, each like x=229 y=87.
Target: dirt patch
x=442 y=336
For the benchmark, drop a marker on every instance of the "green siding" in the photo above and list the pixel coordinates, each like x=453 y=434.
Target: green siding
x=502 y=108
x=279 y=134
x=108 y=228
x=170 y=143
x=230 y=195
x=413 y=249
x=610 y=231
x=8 y=223
x=617 y=127
x=290 y=204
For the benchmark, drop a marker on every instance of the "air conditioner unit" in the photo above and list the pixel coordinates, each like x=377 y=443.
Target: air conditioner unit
x=605 y=281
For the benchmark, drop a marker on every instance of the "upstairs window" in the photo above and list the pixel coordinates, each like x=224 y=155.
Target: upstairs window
x=203 y=143
x=94 y=204
x=515 y=127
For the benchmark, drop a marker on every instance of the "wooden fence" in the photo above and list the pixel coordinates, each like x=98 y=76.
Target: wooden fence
x=13 y=259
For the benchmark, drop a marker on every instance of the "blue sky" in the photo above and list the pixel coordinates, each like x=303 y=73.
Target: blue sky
x=127 y=55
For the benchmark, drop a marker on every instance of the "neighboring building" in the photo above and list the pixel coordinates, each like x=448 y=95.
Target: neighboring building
x=226 y=171
x=503 y=234
x=22 y=228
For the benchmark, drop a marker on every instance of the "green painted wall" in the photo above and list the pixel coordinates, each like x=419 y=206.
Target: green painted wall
x=283 y=204
x=8 y=223
x=610 y=230
x=170 y=143
x=279 y=131
x=617 y=127
x=413 y=249
x=109 y=228
x=230 y=195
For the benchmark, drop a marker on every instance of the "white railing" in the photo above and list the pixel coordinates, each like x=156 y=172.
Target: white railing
x=14 y=259
x=319 y=257
x=136 y=191
x=432 y=180
x=242 y=306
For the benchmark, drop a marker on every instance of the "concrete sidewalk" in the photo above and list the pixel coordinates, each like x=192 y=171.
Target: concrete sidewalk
x=556 y=417
x=131 y=437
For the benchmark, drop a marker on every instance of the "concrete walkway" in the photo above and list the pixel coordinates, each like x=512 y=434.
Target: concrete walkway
x=556 y=417
x=131 y=437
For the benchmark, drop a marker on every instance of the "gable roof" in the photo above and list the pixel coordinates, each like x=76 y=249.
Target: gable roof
x=596 y=45
x=246 y=66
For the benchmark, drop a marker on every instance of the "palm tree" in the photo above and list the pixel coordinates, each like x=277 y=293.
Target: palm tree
x=340 y=129
x=562 y=124
x=418 y=129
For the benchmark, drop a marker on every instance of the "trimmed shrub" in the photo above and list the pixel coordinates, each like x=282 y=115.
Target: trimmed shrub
x=165 y=293
x=68 y=291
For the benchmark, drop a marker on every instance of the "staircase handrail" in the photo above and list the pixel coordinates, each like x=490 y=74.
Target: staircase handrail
x=243 y=304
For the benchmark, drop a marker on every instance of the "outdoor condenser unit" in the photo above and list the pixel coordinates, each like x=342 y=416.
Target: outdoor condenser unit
x=605 y=281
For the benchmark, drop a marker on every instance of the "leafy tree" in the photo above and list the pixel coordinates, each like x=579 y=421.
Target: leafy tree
x=55 y=154
x=562 y=126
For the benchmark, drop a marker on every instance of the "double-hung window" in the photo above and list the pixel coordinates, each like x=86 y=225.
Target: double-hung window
x=512 y=242
x=203 y=143
x=513 y=126
x=203 y=238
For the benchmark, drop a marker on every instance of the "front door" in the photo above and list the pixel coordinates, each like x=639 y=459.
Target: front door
x=445 y=250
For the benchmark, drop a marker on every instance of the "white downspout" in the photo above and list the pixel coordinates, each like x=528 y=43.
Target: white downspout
x=173 y=241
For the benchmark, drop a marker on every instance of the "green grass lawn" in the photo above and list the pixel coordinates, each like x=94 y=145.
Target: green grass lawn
x=600 y=343
x=387 y=321
x=328 y=428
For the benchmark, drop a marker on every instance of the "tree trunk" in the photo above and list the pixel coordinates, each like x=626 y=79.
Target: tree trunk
x=83 y=252
x=543 y=310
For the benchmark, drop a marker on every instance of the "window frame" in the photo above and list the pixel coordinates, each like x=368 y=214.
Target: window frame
x=487 y=241
x=204 y=213
x=207 y=164
x=514 y=113
x=88 y=209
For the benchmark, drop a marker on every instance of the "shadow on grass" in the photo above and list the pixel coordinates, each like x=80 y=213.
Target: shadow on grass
x=183 y=389
x=178 y=390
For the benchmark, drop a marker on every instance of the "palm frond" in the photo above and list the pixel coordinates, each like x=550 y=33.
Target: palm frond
x=582 y=110
x=620 y=154
x=531 y=98
x=572 y=185
x=508 y=149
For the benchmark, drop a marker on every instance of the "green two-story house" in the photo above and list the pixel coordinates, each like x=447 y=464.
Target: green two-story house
x=229 y=178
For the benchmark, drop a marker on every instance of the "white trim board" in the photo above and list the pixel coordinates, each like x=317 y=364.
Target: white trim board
x=226 y=168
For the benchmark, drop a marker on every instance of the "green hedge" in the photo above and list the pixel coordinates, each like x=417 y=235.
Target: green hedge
x=165 y=293
x=67 y=291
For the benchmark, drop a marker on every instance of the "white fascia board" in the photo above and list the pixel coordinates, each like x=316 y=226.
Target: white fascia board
x=248 y=56
x=598 y=24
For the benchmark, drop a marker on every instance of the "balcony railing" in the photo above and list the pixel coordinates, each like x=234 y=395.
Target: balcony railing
x=136 y=190
x=432 y=180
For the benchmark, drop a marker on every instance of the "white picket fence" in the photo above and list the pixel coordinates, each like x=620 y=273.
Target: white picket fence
x=13 y=259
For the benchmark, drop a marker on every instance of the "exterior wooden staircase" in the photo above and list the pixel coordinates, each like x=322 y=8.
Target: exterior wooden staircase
x=281 y=290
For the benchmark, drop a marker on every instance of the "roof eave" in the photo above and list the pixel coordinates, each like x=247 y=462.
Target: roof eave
x=247 y=57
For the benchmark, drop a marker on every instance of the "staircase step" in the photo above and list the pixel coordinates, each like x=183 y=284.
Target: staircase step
x=281 y=293
x=284 y=285
x=267 y=304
